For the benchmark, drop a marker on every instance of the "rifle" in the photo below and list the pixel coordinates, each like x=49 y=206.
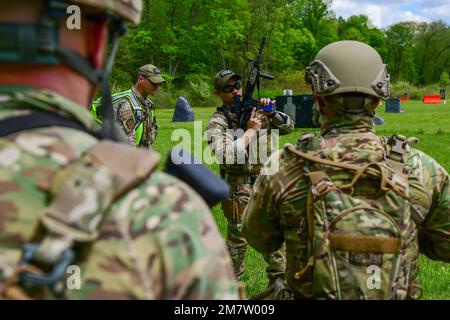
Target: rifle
x=199 y=177
x=243 y=107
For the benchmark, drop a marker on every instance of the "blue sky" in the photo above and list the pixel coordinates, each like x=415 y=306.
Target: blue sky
x=386 y=12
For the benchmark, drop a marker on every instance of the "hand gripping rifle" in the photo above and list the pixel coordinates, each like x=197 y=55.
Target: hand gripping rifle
x=243 y=107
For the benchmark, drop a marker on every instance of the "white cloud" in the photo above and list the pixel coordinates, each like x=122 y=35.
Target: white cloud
x=374 y=14
x=383 y=13
x=409 y=16
x=347 y=8
x=433 y=3
x=441 y=12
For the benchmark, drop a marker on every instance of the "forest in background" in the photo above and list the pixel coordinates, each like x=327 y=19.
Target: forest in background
x=191 y=40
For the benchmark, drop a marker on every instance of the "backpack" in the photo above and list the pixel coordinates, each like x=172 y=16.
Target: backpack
x=80 y=196
x=361 y=238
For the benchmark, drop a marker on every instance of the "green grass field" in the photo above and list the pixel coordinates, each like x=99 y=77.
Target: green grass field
x=429 y=123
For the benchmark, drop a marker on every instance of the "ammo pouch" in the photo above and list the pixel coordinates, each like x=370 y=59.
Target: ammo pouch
x=233 y=207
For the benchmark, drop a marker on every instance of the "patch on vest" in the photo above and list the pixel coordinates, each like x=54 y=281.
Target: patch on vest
x=126 y=116
x=365 y=259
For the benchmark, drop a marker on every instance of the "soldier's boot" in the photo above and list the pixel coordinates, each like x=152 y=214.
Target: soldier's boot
x=414 y=289
x=237 y=246
x=237 y=253
x=277 y=288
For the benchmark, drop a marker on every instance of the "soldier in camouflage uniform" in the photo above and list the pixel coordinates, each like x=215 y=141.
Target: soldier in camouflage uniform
x=241 y=176
x=69 y=200
x=134 y=111
x=329 y=185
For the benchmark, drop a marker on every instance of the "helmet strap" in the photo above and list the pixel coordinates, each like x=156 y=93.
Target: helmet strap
x=38 y=44
x=109 y=125
x=321 y=101
x=354 y=102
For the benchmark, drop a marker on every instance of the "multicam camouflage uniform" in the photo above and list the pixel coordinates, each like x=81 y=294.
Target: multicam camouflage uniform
x=157 y=239
x=277 y=208
x=241 y=178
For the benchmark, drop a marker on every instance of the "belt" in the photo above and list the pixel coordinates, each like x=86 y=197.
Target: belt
x=239 y=178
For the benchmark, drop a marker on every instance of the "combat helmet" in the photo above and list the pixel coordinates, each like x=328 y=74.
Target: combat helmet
x=38 y=43
x=348 y=67
x=129 y=10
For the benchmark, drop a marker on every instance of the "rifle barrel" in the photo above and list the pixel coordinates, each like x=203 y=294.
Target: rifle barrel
x=263 y=42
x=266 y=76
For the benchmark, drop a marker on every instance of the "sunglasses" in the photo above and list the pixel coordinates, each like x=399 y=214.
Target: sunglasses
x=230 y=87
x=155 y=84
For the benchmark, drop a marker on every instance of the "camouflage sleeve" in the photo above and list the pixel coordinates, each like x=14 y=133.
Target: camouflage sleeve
x=282 y=122
x=125 y=117
x=222 y=142
x=430 y=194
x=261 y=220
x=159 y=242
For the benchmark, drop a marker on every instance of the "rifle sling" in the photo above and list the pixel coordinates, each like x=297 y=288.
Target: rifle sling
x=378 y=173
x=326 y=162
x=40 y=120
x=227 y=115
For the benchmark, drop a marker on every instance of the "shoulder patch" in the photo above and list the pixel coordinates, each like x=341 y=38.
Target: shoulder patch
x=123 y=104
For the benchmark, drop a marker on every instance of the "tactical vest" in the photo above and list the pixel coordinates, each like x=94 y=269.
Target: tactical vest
x=65 y=229
x=361 y=239
x=238 y=174
x=129 y=95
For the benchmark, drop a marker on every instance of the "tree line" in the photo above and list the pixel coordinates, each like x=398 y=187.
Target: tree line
x=190 y=40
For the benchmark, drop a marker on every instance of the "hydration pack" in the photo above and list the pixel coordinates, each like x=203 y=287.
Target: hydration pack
x=362 y=242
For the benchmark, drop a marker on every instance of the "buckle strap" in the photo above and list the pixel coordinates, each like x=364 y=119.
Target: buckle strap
x=396 y=158
x=321 y=184
x=25 y=274
x=40 y=120
x=398 y=148
x=45 y=279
